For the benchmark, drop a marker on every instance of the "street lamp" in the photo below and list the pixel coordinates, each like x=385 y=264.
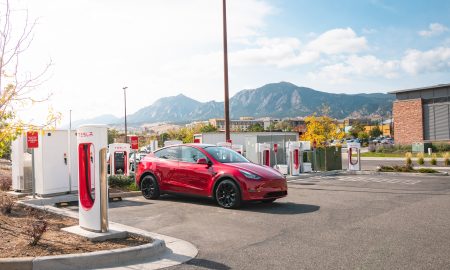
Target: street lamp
x=225 y=72
x=125 y=101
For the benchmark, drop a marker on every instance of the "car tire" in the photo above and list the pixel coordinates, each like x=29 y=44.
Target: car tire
x=150 y=188
x=228 y=194
x=268 y=201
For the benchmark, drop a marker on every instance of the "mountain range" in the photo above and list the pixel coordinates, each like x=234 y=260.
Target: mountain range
x=273 y=100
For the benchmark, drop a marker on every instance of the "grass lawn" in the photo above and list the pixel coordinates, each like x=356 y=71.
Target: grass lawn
x=377 y=154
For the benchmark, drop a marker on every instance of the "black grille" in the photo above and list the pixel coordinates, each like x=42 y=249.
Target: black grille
x=276 y=194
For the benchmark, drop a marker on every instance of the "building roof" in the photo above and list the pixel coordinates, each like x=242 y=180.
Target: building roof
x=420 y=88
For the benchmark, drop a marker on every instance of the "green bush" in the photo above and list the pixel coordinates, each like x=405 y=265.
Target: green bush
x=120 y=181
x=420 y=159
x=433 y=160
x=440 y=147
x=387 y=148
x=426 y=170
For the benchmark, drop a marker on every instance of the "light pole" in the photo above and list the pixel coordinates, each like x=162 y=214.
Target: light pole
x=125 y=101
x=225 y=72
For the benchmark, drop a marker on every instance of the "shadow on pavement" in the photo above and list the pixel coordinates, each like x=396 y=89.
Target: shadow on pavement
x=280 y=208
x=127 y=203
x=207 y=264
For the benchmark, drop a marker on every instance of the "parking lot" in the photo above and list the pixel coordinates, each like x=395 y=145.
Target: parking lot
x=330 y=222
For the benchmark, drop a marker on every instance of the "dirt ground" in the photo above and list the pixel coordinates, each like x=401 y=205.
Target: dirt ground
x=14 y=241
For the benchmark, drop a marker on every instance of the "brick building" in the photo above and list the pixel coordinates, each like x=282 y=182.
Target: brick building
x=422 y=114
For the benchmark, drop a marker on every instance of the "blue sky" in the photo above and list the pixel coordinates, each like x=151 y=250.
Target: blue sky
x=162 y=48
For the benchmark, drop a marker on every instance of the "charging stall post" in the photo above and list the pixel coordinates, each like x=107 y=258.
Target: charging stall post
x=134 y=140
x=263 y=153
x=354 y=165
x=115 y=150
x=293 y=157
x=92 y=180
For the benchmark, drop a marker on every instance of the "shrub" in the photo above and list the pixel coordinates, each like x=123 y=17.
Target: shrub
x=5 y=183
x=408 y=160
x=35 y=229
x=420 y=159
x=426 y=170
x=446 y=159
x=440 y=147
x=120 y=180
x=6 y=205
x=433 y=160
x=372 y=147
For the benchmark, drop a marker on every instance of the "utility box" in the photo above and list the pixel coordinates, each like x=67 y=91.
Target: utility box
x=54 y=160
x=251 y=150
x=420 y=147
x=328 y=159
x=21 y=165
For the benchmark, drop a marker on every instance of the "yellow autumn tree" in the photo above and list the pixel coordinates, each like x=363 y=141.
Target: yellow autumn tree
x=321 y=129
x=17 y=85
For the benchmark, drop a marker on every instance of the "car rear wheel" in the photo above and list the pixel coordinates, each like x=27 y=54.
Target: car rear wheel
x=268 y=201
x=150 y=188
x=228 y=194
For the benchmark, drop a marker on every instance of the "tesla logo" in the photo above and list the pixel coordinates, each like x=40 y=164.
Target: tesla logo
x=85 y=134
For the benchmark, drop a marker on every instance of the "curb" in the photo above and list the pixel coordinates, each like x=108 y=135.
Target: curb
x=100 y=259
x=124 y=194
x=163 y=252
x=309 y=175
x=393 y=173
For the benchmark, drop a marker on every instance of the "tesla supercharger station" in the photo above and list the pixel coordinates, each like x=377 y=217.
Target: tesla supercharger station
x=354 y=165
x=92 y=182
x=119 y=151
x=238 y=148
x=293 y=157
x=263 y=153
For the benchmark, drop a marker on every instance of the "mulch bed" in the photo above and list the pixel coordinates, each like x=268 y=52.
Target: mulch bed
x=14 y=241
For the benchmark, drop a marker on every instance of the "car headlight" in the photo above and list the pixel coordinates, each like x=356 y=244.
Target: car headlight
x=250 y=175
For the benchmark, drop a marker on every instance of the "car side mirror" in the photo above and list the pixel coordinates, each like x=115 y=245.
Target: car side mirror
x=202 y=161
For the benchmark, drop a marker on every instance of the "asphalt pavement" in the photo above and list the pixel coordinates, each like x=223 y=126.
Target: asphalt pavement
x=328 y=222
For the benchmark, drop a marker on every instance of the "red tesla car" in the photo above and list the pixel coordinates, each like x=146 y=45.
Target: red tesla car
x=209 y=171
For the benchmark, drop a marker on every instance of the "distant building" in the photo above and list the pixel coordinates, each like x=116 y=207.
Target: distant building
x=243 y=124
x=422 y=114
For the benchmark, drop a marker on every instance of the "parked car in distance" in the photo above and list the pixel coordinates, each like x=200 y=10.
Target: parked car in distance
x=208 y=171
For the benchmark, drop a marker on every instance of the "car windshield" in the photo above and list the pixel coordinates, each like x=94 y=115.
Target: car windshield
x=225 y=155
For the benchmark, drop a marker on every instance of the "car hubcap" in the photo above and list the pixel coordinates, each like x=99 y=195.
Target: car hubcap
x=148 y=188
x=226 y=195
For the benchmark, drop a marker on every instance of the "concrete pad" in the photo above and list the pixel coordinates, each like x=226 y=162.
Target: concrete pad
x=17 y=194
x=96 y=236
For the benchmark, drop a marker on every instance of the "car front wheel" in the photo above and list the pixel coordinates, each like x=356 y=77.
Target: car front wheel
x=150 y=188
x=228 y=194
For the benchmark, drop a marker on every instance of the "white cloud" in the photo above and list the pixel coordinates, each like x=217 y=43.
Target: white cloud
x=361 y=66
x=434 y=29
x=337 y=41
x=434 y=60
x=288 y=52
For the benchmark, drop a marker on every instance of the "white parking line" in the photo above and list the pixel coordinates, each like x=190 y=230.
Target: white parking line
x=368 y=179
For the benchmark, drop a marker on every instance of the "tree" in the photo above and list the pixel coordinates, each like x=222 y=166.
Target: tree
x=112 y=135
x=17 y=86
x=208 y=128
x=375 y=132
x=357 y=127
x=363 y=136
x=283 y=126
x=257 y=127
x=321 y=129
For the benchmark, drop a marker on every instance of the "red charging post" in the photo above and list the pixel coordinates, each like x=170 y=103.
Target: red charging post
x=134 y=142
x=32 y=139
x=135 y=146
x=32 y=142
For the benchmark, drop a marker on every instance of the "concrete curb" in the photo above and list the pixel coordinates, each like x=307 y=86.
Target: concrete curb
x=163 y=252
x=124 y=194
x=394 y=173
x=100 y=259
x=24 y=263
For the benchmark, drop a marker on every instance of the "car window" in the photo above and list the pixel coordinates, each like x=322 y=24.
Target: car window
x=225 y=155
x=191 y=154
x=172 y=153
